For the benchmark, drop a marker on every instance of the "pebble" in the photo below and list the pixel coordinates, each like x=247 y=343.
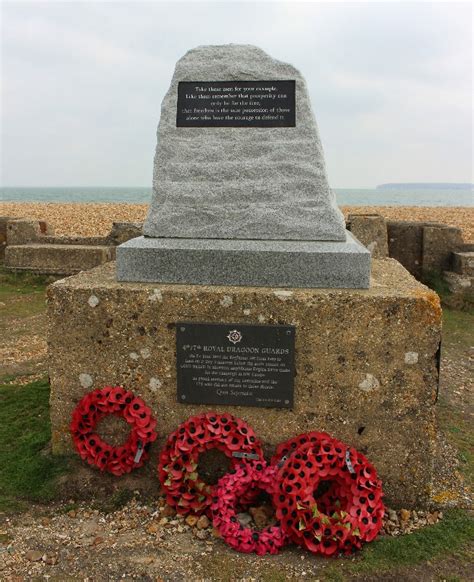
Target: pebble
x=152 y=528
x=191 y=520
x=50 y=559
x=244 y=519
x=262 y=516
x=405 y=514
x=33 y=555
x=433 y=517
x=90 y=527
x=203 y=522
x=168 y=511
x=392 y=514
x=201 y=534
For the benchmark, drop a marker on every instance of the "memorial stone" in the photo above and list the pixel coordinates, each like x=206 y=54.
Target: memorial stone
x=241 y=204
x=240 y=191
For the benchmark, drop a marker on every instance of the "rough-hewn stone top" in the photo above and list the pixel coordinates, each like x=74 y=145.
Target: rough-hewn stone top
x=240 y=182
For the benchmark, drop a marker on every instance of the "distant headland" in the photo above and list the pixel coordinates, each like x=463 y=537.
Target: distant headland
x=425 y=186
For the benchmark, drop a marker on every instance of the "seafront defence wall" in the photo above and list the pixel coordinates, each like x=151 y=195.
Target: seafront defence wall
x=425 y=249
x=31 y=245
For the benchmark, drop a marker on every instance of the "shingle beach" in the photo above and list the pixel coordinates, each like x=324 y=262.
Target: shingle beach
x=90 y=219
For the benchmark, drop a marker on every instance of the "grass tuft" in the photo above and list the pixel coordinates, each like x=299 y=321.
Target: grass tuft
x=447 y=536
x=459 y=325
x=434 y=280
x=22 y=295
x=23 y=282
x=28 y=470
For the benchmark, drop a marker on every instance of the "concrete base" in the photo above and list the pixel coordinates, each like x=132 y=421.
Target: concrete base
x=312 y=264
x=56 y=259
x=371 y=231
x=366 y=367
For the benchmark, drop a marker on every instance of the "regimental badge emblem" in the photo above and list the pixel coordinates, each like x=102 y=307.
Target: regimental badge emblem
x=234 y=336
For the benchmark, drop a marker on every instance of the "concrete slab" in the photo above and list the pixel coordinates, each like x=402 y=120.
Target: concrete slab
x=55 y=259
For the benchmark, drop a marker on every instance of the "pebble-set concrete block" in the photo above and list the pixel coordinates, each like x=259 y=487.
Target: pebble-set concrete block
x=123 y=231
x=366 y=367
x=245 y=262
x=3 y=235
x=463 y=263
x=405 y=243
x=55 y=259
x=439 y=243
x=461 y=280
x=22 y=231
x=424 y=248
x=371 y=231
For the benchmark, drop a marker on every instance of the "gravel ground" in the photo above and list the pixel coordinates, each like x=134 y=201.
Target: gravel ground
x=96 y=219
x=147 y=541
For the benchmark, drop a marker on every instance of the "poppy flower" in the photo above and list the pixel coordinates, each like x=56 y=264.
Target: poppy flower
x=135 y=409
x=286 y=448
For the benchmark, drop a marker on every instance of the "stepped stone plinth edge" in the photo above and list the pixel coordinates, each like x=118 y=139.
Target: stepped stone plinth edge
x=211 y=182
x=245 y=262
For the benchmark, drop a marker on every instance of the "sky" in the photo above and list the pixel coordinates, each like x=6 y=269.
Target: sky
x=82 y=84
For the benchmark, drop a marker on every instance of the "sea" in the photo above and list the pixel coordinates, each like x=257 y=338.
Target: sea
x=445 y=196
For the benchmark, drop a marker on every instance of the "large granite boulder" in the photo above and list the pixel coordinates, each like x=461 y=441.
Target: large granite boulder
x=240 y=183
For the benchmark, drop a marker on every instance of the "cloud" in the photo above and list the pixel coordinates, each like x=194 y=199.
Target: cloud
x=82 y=84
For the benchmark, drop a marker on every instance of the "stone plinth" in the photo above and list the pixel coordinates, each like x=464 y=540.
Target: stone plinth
x=338 y=264
x=365 y=360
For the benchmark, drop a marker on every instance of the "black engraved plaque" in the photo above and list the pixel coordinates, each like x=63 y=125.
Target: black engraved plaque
x=236 y=104
x=242 y=365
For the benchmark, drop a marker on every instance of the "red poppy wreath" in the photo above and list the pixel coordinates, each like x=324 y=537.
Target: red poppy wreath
x=178 y=465
x=119 y=402
x=229 y=492
x=329 y=498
